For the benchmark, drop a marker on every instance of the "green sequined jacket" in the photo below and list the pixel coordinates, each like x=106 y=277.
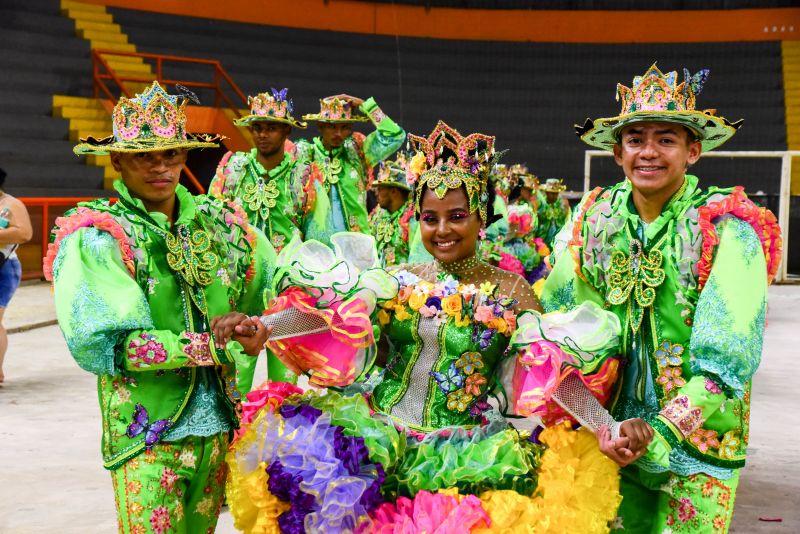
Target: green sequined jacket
x=690 y=291
x=134 y=298
x=271 y=199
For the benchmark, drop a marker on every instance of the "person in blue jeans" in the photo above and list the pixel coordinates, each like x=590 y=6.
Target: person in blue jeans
x=15 y=229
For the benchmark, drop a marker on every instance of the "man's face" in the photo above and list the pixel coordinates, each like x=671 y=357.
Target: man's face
x=269 y=137
x=383 y=195
x=654 y=155
x=552 y=196
x=334 y=135
x=150 y=176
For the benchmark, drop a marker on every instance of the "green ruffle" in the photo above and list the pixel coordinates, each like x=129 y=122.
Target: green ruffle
x=473 y=463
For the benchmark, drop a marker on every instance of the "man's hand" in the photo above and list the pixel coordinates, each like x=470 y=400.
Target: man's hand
x=638 y=432
x=354 y=100
x=252 y=334
x=223 y=327
x=619 y=449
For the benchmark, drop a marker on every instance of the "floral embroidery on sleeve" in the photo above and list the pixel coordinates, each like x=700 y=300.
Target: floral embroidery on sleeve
x=198 y=349
x=145 y=351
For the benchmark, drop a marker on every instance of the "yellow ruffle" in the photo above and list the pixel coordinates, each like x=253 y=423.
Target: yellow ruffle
x=578 y=490
x=254 y=509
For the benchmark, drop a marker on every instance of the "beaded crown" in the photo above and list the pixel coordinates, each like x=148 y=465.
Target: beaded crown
x=274 y=107
x=658 y=97
x=335 y=110
x=153 y=120
x=466 y=163
x=393 y=173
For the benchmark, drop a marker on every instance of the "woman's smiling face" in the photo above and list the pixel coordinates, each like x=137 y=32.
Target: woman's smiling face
x=448 y=230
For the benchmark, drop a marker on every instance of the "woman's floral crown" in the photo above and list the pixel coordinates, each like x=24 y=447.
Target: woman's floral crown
x=466 y=164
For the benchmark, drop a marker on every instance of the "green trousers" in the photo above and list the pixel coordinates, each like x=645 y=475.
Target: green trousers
x=174 y=487
x=665 y=502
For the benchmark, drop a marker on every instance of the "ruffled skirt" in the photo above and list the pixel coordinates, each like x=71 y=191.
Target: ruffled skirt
x=327 y=463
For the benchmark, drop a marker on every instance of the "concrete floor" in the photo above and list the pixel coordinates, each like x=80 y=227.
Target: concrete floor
x=51 y=479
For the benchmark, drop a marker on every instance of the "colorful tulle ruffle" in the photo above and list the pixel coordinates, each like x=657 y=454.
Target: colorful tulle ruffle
x=326 y=463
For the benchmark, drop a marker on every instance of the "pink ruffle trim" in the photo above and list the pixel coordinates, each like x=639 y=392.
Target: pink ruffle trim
x=82 y=218
x=270 y=394
x=428 y=513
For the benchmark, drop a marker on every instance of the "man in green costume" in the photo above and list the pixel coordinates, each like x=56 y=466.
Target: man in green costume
x=686 y=270
x=338 y=164
x=393 y=223
x=137 y=284
x=264 y=181
x=553 y=210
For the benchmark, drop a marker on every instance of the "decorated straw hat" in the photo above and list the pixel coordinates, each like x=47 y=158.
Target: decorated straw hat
x=332 y=110
x=393 y=173
x=521 y=173
x=504 y=181
x=273 y=107
x=446 y=160
x=553 y=185
x=154 y=120
x=656 y=96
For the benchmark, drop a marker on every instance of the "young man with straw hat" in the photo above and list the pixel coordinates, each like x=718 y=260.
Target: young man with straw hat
x=136 y=284
x=686 y=271
x=338 y=164
x=264 y=181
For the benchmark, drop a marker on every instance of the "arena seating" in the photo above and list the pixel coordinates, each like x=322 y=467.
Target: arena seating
x=40 y=56
x=528 y=94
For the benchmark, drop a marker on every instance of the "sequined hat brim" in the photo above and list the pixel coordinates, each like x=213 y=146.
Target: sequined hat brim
x=106 y=145
x=317 y=118
x=391 y=184
x=712 y=131
x=250 y=119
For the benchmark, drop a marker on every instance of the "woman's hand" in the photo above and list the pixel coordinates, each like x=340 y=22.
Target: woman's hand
x=252 y=335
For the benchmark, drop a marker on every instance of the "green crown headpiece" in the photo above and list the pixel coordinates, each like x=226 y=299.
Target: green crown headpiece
x=466 y=164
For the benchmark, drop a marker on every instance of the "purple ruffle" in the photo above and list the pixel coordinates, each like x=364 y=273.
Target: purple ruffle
x=324 y=474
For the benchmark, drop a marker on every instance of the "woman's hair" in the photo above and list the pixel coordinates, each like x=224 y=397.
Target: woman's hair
x=2 y=178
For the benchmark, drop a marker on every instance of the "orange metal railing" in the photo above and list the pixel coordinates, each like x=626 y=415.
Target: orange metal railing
x=31 y=261
x=102 y=73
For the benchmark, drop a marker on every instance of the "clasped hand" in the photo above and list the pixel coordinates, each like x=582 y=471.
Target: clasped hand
x=634 y=436
x=248 y=331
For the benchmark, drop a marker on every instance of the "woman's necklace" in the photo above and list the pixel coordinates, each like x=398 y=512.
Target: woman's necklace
x=458 y=268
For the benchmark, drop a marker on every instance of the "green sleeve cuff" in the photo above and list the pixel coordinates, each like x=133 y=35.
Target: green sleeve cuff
x=370 y=109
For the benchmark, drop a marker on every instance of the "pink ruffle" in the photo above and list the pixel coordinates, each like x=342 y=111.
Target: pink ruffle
x=217 y=189
x=239 y=218
x=331 y=355
x=762 y=220
x=268 y=393
x=537 y=374
x=82 y=218
x=428 y=513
